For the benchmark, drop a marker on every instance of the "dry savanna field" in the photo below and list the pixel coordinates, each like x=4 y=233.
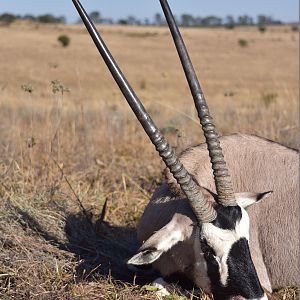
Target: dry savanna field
x=69 y=143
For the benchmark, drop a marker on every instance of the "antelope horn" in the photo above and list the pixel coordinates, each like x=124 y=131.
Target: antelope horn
x=203 y=209
x=221 y=174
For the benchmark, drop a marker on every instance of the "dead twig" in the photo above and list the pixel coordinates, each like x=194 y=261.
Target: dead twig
x=87 y=215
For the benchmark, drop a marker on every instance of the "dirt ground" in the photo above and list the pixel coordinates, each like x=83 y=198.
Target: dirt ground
x=69 y=143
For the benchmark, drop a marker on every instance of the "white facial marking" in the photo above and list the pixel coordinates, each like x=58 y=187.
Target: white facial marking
x=221 y=240
x=242 y=228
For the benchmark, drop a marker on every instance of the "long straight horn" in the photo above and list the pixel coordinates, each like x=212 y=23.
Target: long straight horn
x=221 y=175
x=203 y=210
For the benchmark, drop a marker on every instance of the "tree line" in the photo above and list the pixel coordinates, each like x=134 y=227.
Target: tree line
x=185 y=20
x=8 y=18
x=188 y=20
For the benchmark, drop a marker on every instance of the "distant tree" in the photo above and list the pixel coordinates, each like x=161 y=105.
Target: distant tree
x=245 y=20
x=146 y=22
x=107 y=21
x=211 y=21
x=197 y=21
x=264 y=20
x=122 y=22
x=250 y=21
x=29 y=17
x=131 y=20
x=60 y=19
x=187 y=20
x=158 y=19
x=277 y=22
x=229 y=22
x=95 y=16
x=48 y=18
x=7 y=18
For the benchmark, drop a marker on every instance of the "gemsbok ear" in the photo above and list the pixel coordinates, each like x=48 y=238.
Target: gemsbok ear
x=145 y=257
x=247 y=199
x=162 y=241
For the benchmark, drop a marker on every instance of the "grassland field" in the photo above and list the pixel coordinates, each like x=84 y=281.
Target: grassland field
x=69 y=143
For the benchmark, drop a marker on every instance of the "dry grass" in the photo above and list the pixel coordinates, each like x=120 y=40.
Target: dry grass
x=88 y=138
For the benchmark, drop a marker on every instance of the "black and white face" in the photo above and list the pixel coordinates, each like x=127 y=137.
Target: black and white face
x=230 y=269
x=222 y=263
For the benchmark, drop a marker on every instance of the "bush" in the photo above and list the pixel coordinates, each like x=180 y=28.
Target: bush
x=295 y=28
x=229 y=26
x=8 y=18
x=269 y=98
x=64 y=40
x=262 y=28
x=243 y=43
x=143 y=84
x=50 y=19
x=123 y=22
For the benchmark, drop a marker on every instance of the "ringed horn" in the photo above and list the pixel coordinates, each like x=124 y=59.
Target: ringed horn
x=221 y=175
x=203 y=210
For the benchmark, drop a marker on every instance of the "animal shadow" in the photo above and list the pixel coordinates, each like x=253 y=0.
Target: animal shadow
x=103 y=249
x=100 y=249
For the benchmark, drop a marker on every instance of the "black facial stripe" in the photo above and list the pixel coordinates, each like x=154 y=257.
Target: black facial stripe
x=227 y=217
x=241 y=270
x=242 y=278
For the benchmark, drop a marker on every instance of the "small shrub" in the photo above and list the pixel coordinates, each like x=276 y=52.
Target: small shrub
x=143 y=84
x=142 y=34
x=243 y=43
x=269 y=98
x=58 y=87
x=229 y=94
x=295 y=28
x=28 y=88
x=30 y=142
x=229 y=26
x=123 y=22
x=262 y=28
x=64 y=40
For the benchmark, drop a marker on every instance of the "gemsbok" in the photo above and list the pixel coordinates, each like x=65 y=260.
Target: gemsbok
x=196 y=224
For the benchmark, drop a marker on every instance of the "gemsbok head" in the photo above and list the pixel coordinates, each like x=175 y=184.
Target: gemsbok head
x=220 y=227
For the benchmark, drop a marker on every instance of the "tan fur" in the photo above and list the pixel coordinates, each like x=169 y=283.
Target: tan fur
x=256 y=165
